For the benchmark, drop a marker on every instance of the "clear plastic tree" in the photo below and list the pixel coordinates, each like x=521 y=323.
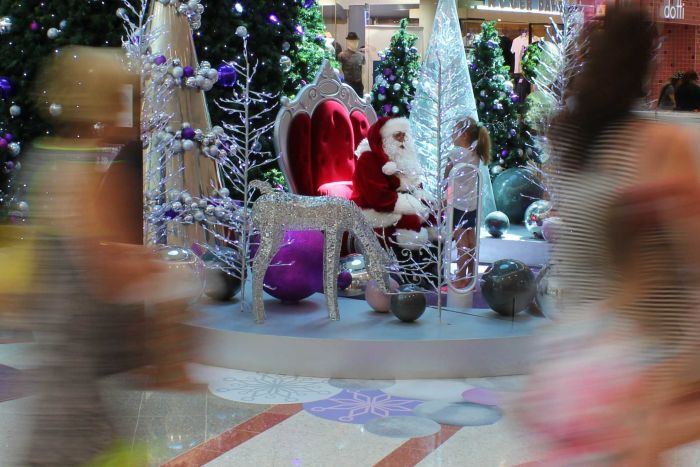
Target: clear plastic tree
x=443 y=99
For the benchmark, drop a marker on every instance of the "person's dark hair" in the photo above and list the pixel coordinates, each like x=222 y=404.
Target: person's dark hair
x=616 y=57
x=689 y=76
x=675 y=80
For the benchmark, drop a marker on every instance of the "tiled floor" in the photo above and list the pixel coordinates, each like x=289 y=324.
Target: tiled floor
x=204 y=429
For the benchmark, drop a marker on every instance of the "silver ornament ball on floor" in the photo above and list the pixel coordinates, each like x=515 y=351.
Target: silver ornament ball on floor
x=497 y=224
x=535 y=215
x=409 y=304
x=508 y=286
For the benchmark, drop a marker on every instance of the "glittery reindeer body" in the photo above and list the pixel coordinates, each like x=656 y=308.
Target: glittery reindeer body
x=274 y=213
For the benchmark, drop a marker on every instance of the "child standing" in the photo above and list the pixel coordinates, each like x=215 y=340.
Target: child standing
x=472 y=145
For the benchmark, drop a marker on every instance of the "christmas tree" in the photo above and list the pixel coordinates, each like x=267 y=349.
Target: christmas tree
x=395 y=86
x=289 y=45
x=498 y=105
x=29 y=31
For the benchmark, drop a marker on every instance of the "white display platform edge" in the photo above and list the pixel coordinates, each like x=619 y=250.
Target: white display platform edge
x=517 y=243
x=300 y=341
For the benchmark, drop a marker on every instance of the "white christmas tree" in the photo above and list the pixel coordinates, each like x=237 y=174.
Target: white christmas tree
x=245 y=132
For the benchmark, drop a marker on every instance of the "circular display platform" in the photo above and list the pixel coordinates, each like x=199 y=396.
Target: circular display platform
x=300 y=340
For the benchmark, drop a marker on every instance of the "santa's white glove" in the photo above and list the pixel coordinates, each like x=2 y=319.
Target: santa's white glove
x=409 y=204
x=390 y=168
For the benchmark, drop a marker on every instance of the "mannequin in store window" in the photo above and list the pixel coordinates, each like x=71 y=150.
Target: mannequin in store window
x=352 y=59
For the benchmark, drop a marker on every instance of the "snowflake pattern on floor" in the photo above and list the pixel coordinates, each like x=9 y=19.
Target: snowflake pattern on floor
x=359 y=407
x=260 y=388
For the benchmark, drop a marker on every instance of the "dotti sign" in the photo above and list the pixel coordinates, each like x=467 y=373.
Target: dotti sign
x=672 y=9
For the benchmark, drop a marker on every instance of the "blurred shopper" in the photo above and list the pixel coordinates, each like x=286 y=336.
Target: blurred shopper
x=88 y=282
x=352 y=59
x=667 y=96
x=626 y=349
x=688 y=93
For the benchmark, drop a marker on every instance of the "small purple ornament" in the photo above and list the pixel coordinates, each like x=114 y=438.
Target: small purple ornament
x=9 y=137
x=3 y=143
x=512 y=132
x=160 y=60
x=382 y=90
x=9 y=165
x=299 y=29
x=481 y=105
x=344 y=280
x=273 y=19
x=34 y=26
x=386 y=108
x=504 y=153
x=303 y=82
x=188 y=72
x=227 y=76
x=392 y=78
x=188 y=133
x=5 y=87
x=387 y=71
x=309 y=3
x=514 y=98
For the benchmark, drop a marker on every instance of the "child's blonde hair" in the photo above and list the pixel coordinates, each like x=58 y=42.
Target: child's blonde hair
x=475 y=131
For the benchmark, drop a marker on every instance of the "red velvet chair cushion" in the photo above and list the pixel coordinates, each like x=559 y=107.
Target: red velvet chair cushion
x=332 y=144
x=321 y=149
x=341 y=189
x=360 y=127
x=299 y=155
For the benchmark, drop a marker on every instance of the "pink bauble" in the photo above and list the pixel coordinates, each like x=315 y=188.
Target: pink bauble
x=550 y=228
x=378 y=300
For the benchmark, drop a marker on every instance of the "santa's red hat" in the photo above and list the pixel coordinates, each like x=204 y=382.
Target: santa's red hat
x=383 y=128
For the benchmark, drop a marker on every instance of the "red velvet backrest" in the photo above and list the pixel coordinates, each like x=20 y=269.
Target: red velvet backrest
x=299 y=155
x=360 y=126
x=332 y=144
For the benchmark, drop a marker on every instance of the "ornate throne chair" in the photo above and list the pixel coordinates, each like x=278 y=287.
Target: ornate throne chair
x=316 y=135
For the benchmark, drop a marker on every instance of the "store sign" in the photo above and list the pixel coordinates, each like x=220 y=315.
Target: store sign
x=673 y=9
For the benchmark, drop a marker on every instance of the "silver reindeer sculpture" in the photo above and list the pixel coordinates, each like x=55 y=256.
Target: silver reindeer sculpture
x=276 y=212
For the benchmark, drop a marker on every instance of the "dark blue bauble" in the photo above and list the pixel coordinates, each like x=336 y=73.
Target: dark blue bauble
x=497 y=224
x=5 y=87
x=227 y=76
x=409 y=304
x=508 y=286
x=514 y=190
x=221 y=285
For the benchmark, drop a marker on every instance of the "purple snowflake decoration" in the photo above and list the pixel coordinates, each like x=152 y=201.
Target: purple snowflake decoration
x=360 y=407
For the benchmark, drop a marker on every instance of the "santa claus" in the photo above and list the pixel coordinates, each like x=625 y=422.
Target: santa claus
x=387 y=183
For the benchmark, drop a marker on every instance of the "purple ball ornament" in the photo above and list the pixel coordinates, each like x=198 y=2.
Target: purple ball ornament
x=302 y=275
x=382 y=90
x=386 y=108
x=9 y=166
x=273 y=19
x=188 y=133
x=9 y=137
x=227 y=76
x=3 y=143
x=481 y=105
x=344 y=280
x=5 y=87
x=504 y=153
x=309 y=3
x=160 y=60
x=299 y=29
x=392 y=78
x=387 y=71
x=34 y=26
x=514 y=98
x=188 y=72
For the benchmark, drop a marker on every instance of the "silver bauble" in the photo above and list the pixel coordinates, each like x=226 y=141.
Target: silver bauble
x=5 y=25
x=55 y=110
x=52 y=33
x=241 y=31
x=15 y=111
x=285 y=63
x=15 y=149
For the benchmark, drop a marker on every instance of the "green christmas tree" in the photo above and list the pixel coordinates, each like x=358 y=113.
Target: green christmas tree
x=308 y=55
x=29 y=31
x=499 y=107
x=395 y=87
x=287 y=39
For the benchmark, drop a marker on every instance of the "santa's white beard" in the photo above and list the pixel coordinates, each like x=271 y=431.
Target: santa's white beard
x=404 y=156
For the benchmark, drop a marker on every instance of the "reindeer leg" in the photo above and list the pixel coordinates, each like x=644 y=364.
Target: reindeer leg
x=269 y=244
x=333 y=240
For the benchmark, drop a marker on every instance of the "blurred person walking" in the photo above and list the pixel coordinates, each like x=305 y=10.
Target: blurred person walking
x=626 y=348
x=87 y=282
x=667 y=96
x=688 y=93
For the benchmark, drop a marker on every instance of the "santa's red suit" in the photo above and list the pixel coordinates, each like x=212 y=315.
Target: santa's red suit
x=386 y=184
